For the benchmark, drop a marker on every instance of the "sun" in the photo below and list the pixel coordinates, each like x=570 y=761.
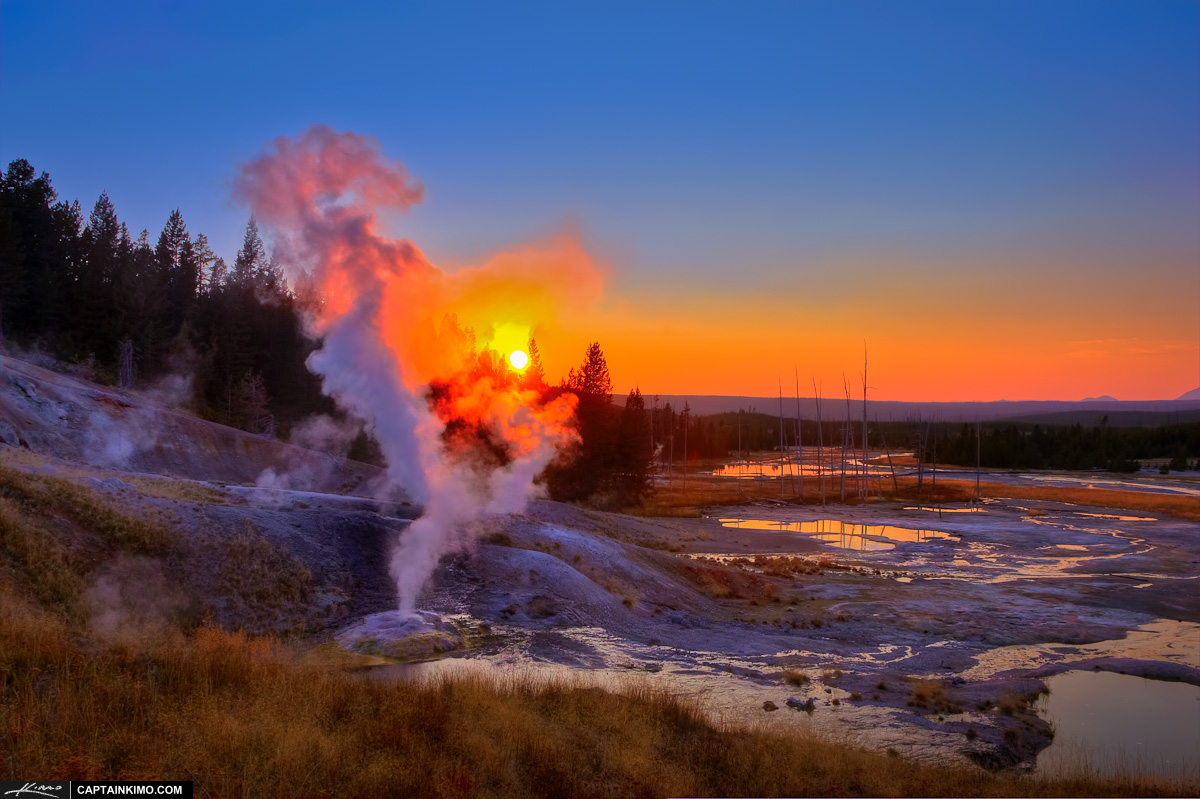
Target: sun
x=518 y=359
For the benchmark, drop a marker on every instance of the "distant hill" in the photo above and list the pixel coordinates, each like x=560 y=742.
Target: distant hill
x=1101 y=398
x=60 y=416
x=1193 y=395
x=886 y=410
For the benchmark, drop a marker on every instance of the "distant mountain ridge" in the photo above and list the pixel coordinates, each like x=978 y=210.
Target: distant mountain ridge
x=1194 y=394
x=892 y=410
x=1101 y=398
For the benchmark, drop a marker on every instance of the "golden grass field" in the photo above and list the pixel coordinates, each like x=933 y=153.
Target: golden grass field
x=261 y=717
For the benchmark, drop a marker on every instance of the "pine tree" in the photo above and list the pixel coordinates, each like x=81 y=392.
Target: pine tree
x=535 y=375
x=178 y=271
x=38 y=242
x=252 y=406
x=592 y=379
x=97 y=287
x=205 y=261
x=635 y=450
x=251 y=262
x=218 y=275
x=141 y=302
x=594 y=463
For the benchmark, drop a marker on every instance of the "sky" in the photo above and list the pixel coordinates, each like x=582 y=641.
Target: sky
x=1001 y=200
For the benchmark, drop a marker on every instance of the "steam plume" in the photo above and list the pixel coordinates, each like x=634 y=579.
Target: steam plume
x=407 y=346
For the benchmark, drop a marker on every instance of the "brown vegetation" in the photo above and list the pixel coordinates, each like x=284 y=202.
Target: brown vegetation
x=700 y=489
x=721 y=581
x=794 y=677
x=931 y=695
x=1178 y=505
x=245 y=716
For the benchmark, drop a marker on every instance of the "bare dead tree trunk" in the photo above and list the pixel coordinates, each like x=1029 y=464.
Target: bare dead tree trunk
x=820 y=443
x=867 y=489
x=845 y=437
x=126 y=373
x=920 y=460
x=671 y=460
x=782 y=444
x=978 y=460
x=653 y=413
x=933 y=464
x=799 y=441
x=685 y=427
x=933 y=476
x=895 y=485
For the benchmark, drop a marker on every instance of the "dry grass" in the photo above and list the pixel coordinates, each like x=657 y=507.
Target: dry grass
x=794 y=677
x=53 y=531
x=1178 y=505
x=182 y=490
x=80 y=553
x=701 y=490
x=245 y=716
x=85 y=508
x=785 y=565
x=249 y=717
x=931 y=695
x=687 y=497
x=689 y=492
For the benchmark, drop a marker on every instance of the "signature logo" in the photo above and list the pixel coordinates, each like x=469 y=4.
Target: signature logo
x=36 y=789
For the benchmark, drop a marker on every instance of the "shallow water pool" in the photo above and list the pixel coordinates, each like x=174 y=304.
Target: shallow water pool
x=845 y=535
x=1114 y=722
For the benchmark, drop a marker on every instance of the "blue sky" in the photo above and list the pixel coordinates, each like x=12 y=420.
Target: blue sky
x=802 y=144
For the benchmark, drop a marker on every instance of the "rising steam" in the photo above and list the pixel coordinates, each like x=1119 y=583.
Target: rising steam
x=407 y=346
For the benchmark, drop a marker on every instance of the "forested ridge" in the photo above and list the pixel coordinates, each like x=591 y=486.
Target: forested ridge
x=129 y=310
x=1025 y=446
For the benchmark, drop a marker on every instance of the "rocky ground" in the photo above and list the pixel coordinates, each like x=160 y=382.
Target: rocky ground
x=933 y=644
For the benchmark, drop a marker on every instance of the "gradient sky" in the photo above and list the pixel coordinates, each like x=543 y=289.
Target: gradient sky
x=1001 y=198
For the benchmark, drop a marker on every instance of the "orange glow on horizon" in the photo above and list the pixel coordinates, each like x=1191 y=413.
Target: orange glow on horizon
x=983 y=336
x=1058 y=324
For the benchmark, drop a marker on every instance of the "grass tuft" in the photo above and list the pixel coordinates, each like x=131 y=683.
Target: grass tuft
x=794 y=677
x=931 y=695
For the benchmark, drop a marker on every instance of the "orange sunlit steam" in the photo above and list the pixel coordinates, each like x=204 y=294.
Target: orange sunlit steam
x=414 y=350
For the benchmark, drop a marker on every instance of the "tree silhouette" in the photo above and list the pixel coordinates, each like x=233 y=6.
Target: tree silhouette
x=634 y=449
x=251 y=262
x=590 y=467
x=535 y=374
x=592 y=379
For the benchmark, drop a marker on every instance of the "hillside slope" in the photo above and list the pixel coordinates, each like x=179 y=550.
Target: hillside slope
x=56 y=415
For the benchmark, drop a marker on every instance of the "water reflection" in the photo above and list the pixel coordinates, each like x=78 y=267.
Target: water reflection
x=974 y=509
x=1118 y=518
x=1118 y=722
x=806 y=464
x=845 y=535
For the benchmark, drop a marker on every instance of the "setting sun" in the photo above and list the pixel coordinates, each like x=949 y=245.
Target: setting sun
x=518 y=359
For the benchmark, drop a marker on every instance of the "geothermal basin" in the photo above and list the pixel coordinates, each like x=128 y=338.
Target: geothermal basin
x=931 y=631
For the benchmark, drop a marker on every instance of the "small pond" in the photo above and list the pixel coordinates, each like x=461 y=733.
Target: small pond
x=1114 y=722
x=798 y=467
x=845 y=535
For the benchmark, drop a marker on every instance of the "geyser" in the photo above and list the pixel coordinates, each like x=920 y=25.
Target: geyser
x=399 y=335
